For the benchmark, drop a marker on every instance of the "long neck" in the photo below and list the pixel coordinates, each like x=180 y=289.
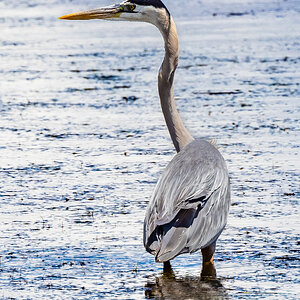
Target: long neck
x=179 y=134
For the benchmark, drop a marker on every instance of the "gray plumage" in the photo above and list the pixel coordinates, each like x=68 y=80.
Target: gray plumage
x=190 y=204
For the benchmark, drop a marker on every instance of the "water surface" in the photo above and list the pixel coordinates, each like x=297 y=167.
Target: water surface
x=83 y=142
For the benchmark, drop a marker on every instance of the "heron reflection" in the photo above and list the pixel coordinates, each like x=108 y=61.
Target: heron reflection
x=170 y=286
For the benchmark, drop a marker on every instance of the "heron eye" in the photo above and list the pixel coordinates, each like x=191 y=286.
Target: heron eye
x=131 y=7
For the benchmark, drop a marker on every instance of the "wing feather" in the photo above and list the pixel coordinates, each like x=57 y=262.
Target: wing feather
x=190 y=204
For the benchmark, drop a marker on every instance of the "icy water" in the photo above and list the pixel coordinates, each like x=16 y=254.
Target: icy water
x=83 y=142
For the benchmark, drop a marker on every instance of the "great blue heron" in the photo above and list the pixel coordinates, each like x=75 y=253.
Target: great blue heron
x=190 y=204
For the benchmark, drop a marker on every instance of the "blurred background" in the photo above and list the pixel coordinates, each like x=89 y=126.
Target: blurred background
x=83 y=142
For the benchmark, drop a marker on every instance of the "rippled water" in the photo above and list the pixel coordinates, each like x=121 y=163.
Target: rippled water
x=83 y=141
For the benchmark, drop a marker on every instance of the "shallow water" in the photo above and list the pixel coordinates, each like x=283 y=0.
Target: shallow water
x=83 y=142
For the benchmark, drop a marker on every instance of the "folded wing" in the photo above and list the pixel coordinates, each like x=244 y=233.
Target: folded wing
x=190 y=204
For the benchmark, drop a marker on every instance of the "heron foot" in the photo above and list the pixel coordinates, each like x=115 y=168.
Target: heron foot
x=208 y=271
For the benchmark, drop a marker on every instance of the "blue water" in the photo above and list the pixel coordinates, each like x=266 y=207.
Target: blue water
x=83 y=142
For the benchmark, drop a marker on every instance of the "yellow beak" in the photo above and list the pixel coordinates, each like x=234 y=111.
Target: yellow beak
x=100 y=13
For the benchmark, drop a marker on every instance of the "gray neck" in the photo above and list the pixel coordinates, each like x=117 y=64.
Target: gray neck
x=179 y=134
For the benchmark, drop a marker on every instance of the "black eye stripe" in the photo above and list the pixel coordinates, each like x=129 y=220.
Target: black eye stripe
x=155 y=3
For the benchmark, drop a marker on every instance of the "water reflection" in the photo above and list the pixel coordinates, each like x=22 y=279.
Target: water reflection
x=188 y=287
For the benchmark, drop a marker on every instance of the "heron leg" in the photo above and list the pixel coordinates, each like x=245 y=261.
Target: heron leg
x=208 y=267
x=167 y=270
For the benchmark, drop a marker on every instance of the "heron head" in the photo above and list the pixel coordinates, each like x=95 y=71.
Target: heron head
x=130 y=10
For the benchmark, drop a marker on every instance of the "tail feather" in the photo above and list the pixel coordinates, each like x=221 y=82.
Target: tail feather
x=169 y=240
